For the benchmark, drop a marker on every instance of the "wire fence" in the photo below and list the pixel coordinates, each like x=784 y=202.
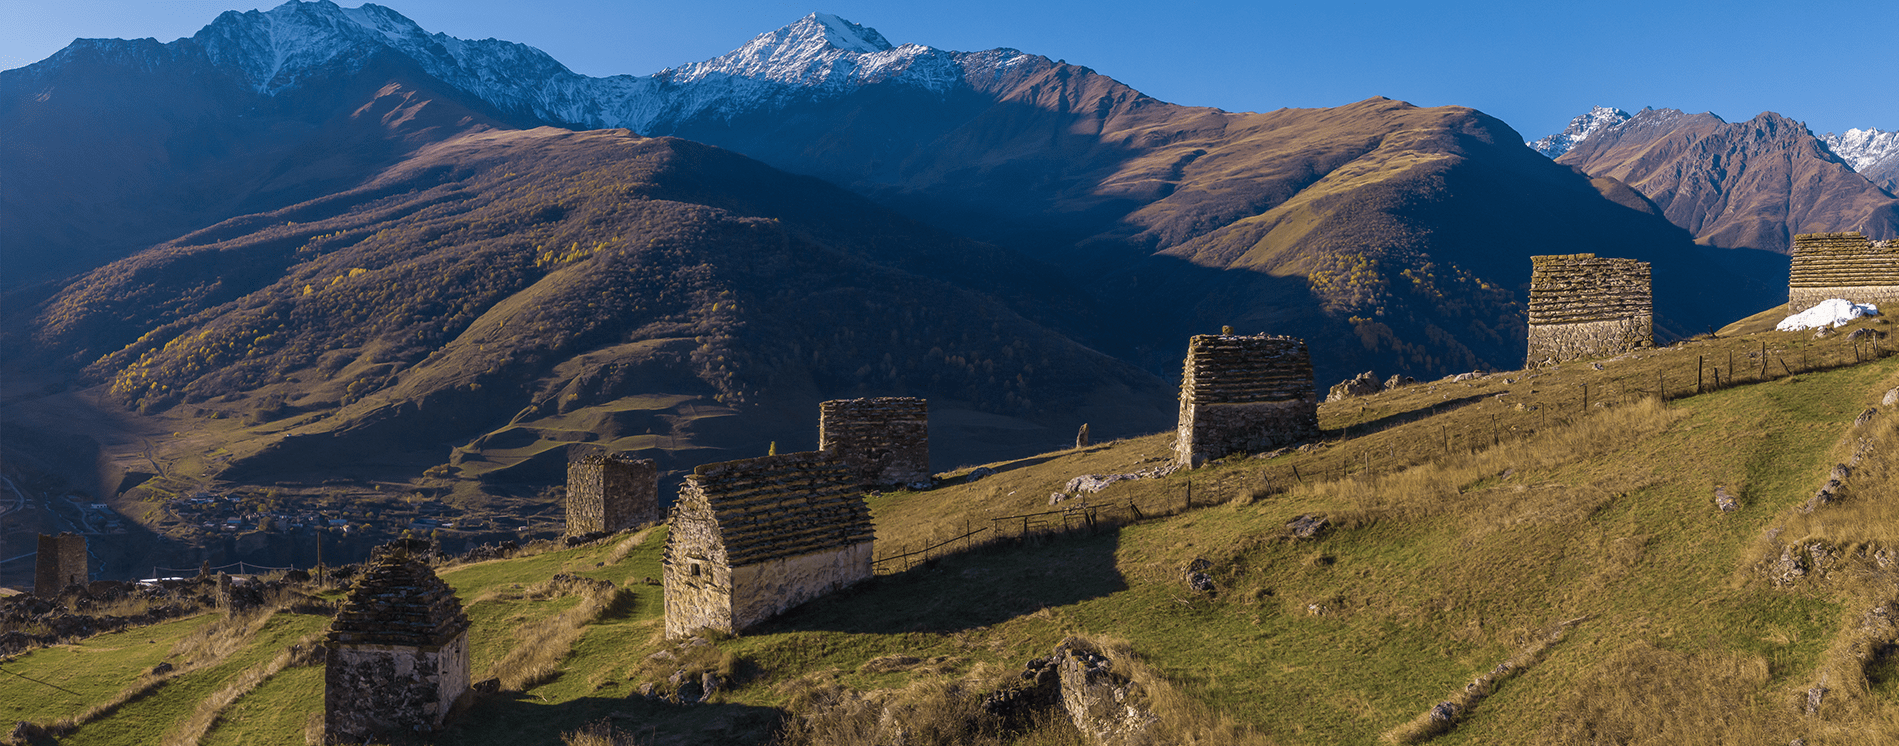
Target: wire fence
x=243 y=568
x=1709 y=376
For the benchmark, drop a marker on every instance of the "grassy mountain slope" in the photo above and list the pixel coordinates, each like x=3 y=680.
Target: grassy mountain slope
x=115 y=148
x=1752 y=184
x=1394 y=235
x=1468 y=524
x=511 y=293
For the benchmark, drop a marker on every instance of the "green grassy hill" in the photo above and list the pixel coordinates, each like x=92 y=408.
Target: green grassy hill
x=1507 y=519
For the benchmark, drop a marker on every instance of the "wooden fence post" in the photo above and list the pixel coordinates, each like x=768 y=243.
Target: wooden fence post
x=1699 y=360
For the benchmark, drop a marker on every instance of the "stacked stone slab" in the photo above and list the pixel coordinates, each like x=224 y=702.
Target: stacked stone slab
x=885 y=440
x=1842 y=265
x=752 y=538
x=398 y=653
x=1241 y=393
x=1583 y=306
x=61 y=562
x=610 y=492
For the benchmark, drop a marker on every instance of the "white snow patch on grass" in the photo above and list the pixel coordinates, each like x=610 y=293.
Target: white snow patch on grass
x=1834 y=313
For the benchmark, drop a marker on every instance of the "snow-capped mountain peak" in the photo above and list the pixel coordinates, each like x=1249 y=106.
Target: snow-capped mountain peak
x=814 y=50
x=1599 y=118
x=848 y=36
x=1863 y=148
x=818 y=56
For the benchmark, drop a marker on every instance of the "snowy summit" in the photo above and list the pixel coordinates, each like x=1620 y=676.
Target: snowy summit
x=1599 y=118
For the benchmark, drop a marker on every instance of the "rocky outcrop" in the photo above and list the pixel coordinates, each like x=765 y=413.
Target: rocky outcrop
x=1364 y=384
x=1105 y=704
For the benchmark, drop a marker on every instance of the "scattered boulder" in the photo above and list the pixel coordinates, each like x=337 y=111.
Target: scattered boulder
x=1200 y=582
x=1444 y=712
x=1814 y=697
x=1055 y=498
x=1105 y=705
x=1865 y=417
x=1365 y=383
x=1396 y=380
x=490 y=686
x=1306 y=526
x=980 y=472
x=1891 y=399
x=1081 y=437
x=1787 y=570
x=1725 y=501
x=1036 y=689
x=1828 y=493
x=1471 y=376
x=709 y=684
x=164 y=667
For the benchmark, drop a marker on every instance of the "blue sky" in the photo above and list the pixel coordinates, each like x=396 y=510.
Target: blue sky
x=1534 y=65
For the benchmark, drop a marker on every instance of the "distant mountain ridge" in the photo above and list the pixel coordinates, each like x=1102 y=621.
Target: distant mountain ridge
x=1874 y=153
x=1579 y=129
x=1752 y=184
x=256 y=166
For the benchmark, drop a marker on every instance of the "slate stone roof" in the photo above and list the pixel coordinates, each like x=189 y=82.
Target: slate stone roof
x=399 y=601
x=1823 y=260
x=1229 y=369
x=782 y=506
x=1576 y=288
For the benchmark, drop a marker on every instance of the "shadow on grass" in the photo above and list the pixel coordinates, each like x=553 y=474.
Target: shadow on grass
x=984 y=586
x=1397 y=419
x=524 y=720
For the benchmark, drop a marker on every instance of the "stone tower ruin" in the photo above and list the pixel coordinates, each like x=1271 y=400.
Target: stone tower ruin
x=1242 y=393
x=398 y=653
x=61 y=562
x=609 y=492
x=885 y=440
x=752 y=538
x=1583 y=306
x=1842 y=265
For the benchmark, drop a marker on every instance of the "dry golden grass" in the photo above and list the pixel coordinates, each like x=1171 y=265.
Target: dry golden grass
x=536 y=660
x=305 y=652
x=1180 y=719
x=931 y=711
x=1431 y=723
x=599 y=733
x=202 y=649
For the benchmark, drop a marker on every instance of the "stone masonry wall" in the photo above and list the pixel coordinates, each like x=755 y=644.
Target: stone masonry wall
x=1842 y=265
x=608 y=492
x=1243 y=393
x=1583 y=306
x=376 y=691
x=753 y=537
x=398 y=654
x=61 y=562
x=884 y=439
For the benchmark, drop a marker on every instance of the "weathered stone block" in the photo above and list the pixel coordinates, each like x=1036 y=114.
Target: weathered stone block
x=397 y=654
x=608 y=492
x=1583 y=306
x=1244 y=394
x=750 y=539
x=886 y=440
x=61 y=562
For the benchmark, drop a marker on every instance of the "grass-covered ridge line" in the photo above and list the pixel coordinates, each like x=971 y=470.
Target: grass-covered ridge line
x=1468 y=525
